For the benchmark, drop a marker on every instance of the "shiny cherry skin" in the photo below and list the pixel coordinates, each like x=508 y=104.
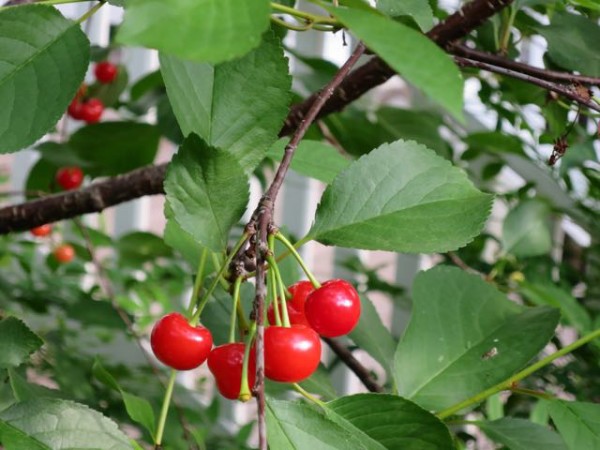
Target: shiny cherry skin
x=333 y=309
x=179 y=345
x=225 y=363
x=75 y=109
x=106 y=72
x=42 y=230
x=291 y=354
x=69 y=177
x=295 y=305
x=91 y=110
x=64 y=253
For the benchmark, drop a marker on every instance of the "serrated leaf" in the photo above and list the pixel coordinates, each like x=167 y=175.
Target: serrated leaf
x=115 y=147
x=464 y=336
x=297 y=426
x=372 y=336
x=44 y=58
x=401 y=197
x=17 y=342
x=138 y=408
x=419 y=10
x=197 y=30
x=573 y=42
x=207 y=191
x=313 y=159
x=521 y=434
x=394 y=422
x=526 y=231
x=578 y=423
x=52 y=424
x=222 y=104
x=405 y=50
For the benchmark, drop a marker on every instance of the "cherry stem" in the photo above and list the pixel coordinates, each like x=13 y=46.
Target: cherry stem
x=204 y=300
x=234 y=310
x=245 y=393
x=296 y=255
x=307 y=395
x=197 y=282
x=274 y=301
x=217 y=263
x=91 y=12
x=165 y=408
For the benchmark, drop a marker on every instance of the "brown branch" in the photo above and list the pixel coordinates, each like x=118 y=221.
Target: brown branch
x=544 y=74
x=148 y=180
x=346 y=356
x=564 y=90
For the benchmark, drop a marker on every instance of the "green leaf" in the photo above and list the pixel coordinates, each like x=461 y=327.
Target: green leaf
x=526 y=231
x=297 y=426
x=401 y=197
x=319 y=383
x=223 y=105
x=578 y=423
x=406 y=50
x=138 y=247
x=198 y=30
x=44 y=59
x=313 y=159
x=547 y=294
x=17 y=342
x=23 y=390
x=394 y=422
x=139 y=409
x=52 y=424
x=419 y=10
x=573 y=42
x=521 y=434
x=493 y=142
x=372 y=336
x=116 y=147
x=207 y=191
x=464 y=336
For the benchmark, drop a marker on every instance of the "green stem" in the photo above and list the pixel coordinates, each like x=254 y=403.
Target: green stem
x=165 y=408
x=307 y=395
x=282 y=289
x=211 y=289
x=296 y=255
x=234 y=310
x=245 y=393
x=289 y=26
x=273 y=290
x=506 y=385
x=315 y=18
x=217 y=263
x=506 y=31
x=532 y=393
x=198 y=282
x=91 y=12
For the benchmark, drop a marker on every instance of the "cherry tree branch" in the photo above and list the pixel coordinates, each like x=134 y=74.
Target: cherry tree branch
x=148 y=180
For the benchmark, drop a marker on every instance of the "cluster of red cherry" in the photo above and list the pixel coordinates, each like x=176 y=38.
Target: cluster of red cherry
x=67 y=178
x=90 y=109
x=292 y=349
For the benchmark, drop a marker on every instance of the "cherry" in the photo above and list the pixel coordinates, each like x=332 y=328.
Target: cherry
x=75 y=109
x=69 y=177
x=179 y=345
x=106 y=72
x=333 y=309
x=91 y=110
x=225 y=363
x=42 y=230
x=64 y=253
x=291 y=354
x=295 y=305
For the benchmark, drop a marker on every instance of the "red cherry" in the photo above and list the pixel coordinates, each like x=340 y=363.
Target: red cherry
x=64 y=253
x=333 y=309
x=69 y=177
x=42 y=230
x=106 y=72
x=225 y=363
x=179 y=345
x=91 y=110
x=75 y=109
x=295 y=305
x=291 y=354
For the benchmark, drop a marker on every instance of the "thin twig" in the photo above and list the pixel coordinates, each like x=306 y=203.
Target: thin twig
x=346 y=356
x=564 y=90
